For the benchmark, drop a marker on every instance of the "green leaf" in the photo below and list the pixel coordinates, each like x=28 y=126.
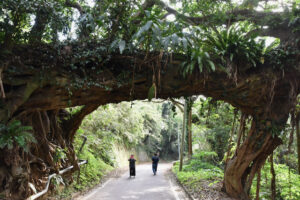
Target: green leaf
x=122 y=44
x=253 y=62
x=20 y=140
x=200 y=64
x=152 y=92
x=191 y=67
x=141 y=40
x=114 y=43
x=156 y=30
x=231 y=57
x=166 y=42
x=206 y=54
x=193 y=55
x=147 y=26
x=9 y=144
x=185 y=43
x=174 y=39
x=212 y=65
x=147 y=12
x=183 y=64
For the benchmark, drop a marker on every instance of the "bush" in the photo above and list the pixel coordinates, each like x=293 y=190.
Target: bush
x=198 y=169
x=287 y=186
x=91 y=173
x=15 y=133
x=206 y=156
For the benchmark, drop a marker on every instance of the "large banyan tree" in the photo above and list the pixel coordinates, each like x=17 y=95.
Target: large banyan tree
x=56 y=54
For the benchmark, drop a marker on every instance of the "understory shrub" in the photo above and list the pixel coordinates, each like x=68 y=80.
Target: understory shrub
x=200 y=168
x=287 y=184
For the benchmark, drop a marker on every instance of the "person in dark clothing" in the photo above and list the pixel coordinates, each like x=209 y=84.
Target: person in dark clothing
x=131 y=166
x=155 y=160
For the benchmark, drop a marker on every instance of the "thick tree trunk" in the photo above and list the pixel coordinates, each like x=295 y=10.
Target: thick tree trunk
x=190 y=143
x=22 y=168
x=250 y=157
x=184 y=130
x=41 y=21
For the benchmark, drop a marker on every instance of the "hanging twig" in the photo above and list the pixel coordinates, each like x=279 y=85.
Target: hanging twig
x=208 y=112
x=1 y=84
x=231 y=137
x=291 y=139
x=132 y=83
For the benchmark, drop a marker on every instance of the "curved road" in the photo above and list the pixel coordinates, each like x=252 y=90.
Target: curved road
x=144 y=186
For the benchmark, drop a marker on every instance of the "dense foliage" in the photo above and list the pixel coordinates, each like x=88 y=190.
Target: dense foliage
x=199 y=173
x=137 y=25
x=287 y=181
x=56 y=54
x=215 y=135
x=15 y=133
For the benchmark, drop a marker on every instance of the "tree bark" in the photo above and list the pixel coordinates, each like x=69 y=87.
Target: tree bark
x=41 y=21
x=72 y=124
x=230 y=139
x=184 y=130
x=241 y=130
x=250 y=157
x=190 y=143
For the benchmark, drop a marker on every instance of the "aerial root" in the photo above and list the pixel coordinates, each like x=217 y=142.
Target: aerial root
x=1 y=84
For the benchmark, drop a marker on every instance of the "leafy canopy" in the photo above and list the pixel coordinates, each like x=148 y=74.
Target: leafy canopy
x=212 y=35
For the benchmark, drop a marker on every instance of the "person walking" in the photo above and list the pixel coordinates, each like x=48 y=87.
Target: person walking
x=131 y=166
x=155 y=160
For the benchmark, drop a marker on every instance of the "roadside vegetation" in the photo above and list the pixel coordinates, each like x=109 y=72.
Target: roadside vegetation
x=115 y=131
x=216 y=128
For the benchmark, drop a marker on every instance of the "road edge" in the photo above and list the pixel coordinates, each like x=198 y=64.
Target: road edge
x=175 y=178
x=106 y=179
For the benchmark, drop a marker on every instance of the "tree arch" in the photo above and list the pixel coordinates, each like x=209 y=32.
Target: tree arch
x=40 y=78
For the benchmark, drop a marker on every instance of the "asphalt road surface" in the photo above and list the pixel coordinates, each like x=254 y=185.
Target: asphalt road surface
x=144 y=186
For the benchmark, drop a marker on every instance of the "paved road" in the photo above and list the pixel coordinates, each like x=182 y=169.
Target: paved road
x=144 y=186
